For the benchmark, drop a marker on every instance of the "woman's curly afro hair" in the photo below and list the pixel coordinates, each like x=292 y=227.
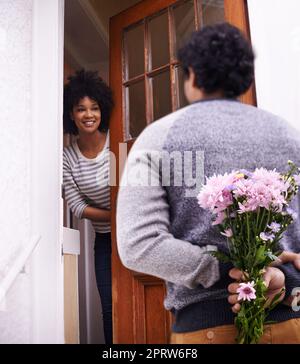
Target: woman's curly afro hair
x=82 y=84
x=222 y=59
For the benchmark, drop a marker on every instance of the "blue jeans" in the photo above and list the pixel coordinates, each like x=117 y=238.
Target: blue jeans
x=103 y=278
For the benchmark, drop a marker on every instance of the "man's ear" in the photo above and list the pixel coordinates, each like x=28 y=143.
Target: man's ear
x=192 y=76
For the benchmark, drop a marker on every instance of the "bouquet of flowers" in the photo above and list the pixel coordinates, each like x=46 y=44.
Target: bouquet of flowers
x=252 y=210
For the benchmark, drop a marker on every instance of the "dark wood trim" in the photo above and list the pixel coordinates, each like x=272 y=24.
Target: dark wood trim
x=236 y=13
x=171 y=34
x=134 y=80
x=116 y=80
x=198 y=12
x=140 y=11
x=147 y=67
x=171 y=24
x=152 y=73
x=140 y=285
x=139 y=312
x=146 y=279
x=158 y=70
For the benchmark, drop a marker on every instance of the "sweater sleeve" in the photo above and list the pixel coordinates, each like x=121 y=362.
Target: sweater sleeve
x=292 y=275
x=292 y=278
x=145 y=243
x=292 y=243
x=75 y=199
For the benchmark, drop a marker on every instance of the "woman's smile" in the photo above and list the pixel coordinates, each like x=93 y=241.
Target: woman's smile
x=87 y=115
x=89 y=123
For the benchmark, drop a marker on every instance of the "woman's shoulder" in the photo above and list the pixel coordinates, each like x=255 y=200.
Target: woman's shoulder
x=107 y=141
x=69 y=154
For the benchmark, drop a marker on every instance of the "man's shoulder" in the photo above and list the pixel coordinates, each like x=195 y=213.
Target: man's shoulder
x=154 y=135
x=279 y=123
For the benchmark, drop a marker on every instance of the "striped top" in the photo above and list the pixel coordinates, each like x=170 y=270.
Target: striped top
x=86 y=182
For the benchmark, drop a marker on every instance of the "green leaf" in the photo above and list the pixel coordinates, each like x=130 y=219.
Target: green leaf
x=270 y=255
x=275 y=300
x=260 y=255
x=220 y=256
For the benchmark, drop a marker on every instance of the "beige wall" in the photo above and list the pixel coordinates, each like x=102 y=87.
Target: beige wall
x=106 y=9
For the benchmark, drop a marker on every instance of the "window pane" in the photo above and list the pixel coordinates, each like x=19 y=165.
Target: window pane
x=182 y=101
x=162 y=102
x=134 y=51
x=184 y=19
x=135 y=109
x=159 y=40
x=213 y=12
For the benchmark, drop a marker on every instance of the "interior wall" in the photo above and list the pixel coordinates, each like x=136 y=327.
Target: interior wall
x=15 y=150
x=30 y=168
x=105 y=9
x=15 y=92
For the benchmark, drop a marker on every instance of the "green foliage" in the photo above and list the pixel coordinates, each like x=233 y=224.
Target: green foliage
x=222 y=257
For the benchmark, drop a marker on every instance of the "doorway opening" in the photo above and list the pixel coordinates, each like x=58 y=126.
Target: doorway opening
x=86 y=45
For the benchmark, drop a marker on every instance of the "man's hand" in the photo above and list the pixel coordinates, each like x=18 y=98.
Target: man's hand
x=273 y=278
x=287 y=257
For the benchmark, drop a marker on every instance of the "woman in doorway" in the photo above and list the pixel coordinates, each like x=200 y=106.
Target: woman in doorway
x=87 y=107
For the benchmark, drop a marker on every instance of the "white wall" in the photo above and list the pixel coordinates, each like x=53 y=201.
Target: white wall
x=275 y=34
x=31 y=66
x=15 y=151
x=15 y=126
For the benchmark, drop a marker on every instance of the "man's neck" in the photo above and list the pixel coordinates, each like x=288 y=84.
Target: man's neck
x=201 y=96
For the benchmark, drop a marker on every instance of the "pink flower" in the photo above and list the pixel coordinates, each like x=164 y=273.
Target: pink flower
x=269 y=178
x=246 y=291
x=263 y=189
x=219 y=219
x=228 y=233
x=275 y=227
x=267 y=237
x=216 y=194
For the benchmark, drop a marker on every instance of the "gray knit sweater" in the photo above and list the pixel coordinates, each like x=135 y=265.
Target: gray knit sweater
x=162 y=231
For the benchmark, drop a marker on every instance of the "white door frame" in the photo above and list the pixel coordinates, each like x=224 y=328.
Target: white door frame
x=47 y=145
x=277 y=71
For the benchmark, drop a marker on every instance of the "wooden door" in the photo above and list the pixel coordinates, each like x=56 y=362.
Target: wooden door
x=71 y=251
x=147 y=83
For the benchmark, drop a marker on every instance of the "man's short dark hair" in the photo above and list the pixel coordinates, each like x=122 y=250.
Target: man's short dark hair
x=222 y=59
x=82 y=84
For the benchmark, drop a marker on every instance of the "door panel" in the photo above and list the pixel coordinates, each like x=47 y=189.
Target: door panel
x=147 y=82
x=71 y=251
